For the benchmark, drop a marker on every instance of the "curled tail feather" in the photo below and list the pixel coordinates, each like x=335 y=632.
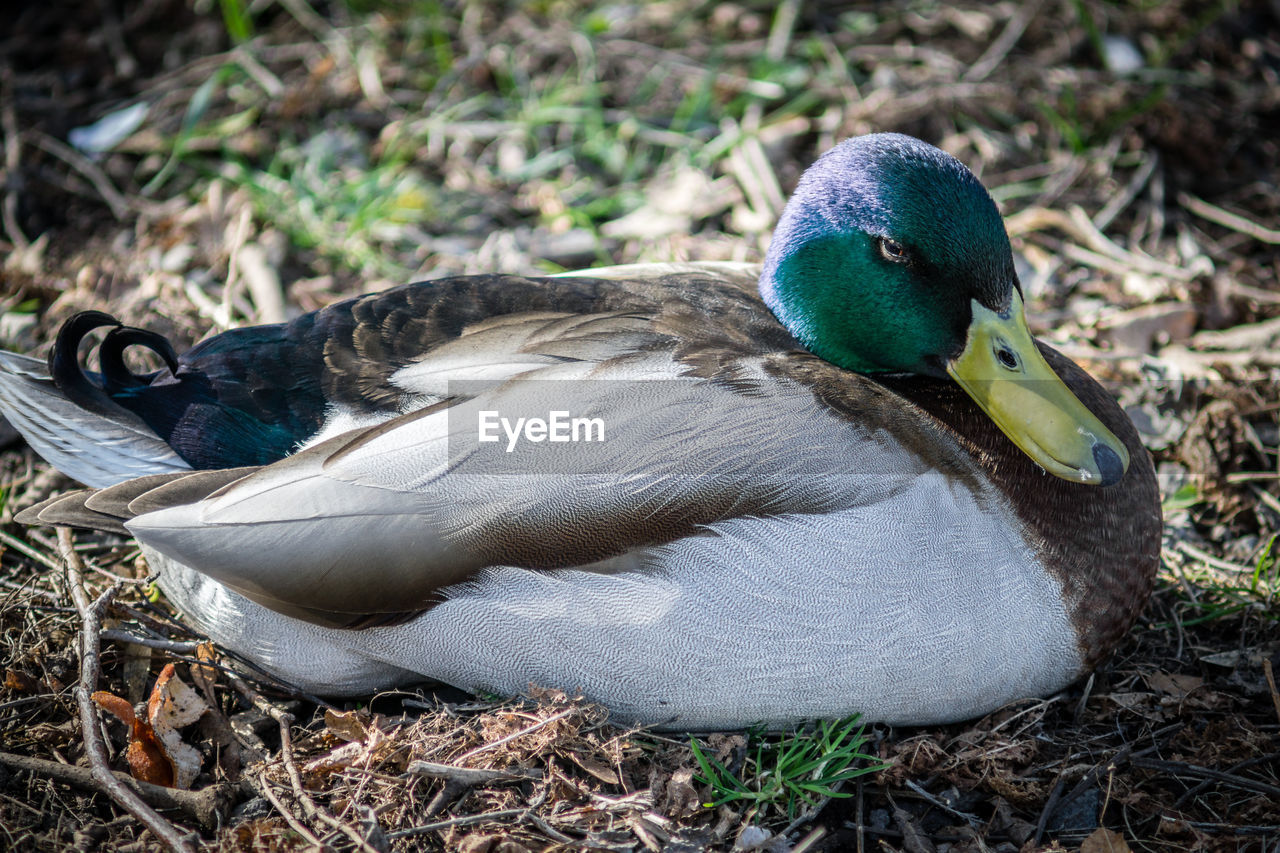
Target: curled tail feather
x=98 y=448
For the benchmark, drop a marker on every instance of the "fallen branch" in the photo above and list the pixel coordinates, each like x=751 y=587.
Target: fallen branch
x=12 y=163
x=1271 y=683
x=208 y=807
x=296 y=825
x=165 y=645
x=999 y=49
x=1191 y=793
x=467 y=820
x=499 y=816
x=95 y=747
x=86 y=167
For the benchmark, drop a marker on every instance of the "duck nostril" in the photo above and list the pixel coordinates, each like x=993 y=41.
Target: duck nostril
x=1007 y=358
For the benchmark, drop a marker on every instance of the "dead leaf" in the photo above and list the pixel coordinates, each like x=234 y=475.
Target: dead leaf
x=156 y=752
x=145 y=754
x=674 y=795
x=1103 y=840
x=173 y=705
x=1015 y=827
x=136 y=671
x=362 y=740
x=1139 y=330
x=1138 y=703
x=1021 y=792
x=205 y=677
x=726 y=746
x=1174 y=684
x=674 y=201
x=17 y=680
x=346 y=725
x=913 y=839
x=1215 y=444
x=600 y=771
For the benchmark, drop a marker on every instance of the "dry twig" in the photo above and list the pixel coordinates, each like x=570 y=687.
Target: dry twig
x=999 y=49
x=285 y=720
x=12 y=162
x=1227 y=219
x=95 y=748
x=208 y=806
x=521 y=733
x=1182 y=768
x=86 y=167
x=458 y=780
x=1271 y=683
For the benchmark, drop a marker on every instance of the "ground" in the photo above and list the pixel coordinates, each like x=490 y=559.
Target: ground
x=288 y=155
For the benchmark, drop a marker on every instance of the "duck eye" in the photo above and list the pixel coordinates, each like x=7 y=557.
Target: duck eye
x=892 y=250
x=1007 y=358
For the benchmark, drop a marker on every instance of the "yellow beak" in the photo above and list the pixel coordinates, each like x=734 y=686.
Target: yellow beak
x=1005 y=374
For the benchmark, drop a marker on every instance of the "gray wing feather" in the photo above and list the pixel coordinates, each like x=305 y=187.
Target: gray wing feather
x=95 y=450
x=420 y=506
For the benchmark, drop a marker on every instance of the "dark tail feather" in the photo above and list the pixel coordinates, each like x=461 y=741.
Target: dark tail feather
x=70 y=511
x=110 y=508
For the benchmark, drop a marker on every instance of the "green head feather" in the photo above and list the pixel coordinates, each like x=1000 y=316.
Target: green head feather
x=880 y=252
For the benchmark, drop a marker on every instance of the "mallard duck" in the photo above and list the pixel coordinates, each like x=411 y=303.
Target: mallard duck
x=849 y=480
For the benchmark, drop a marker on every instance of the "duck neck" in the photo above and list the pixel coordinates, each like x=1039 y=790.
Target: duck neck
x=1102 y=544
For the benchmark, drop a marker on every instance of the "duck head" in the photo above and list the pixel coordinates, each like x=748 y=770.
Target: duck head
x=891 y=257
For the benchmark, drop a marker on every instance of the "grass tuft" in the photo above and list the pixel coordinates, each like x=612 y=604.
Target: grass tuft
x=782 y=773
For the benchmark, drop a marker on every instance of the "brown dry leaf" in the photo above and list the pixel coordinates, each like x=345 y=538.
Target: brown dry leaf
x=173 y=705
x=602 y=772
x=675 y=796
x=726 y=745
x=17 y=680
x=363 y=741
x=1015 y=827
x=146 y=755
x=1175 y=685
x=912 y=758
x=999 y=752
x=136 y=671
x=913 y=838
x=346 y=725
x=1214 y=445
x=205 y=676
x=1021 y=792
x=54 y=735
x=1141 y=329
x=1103 y=840
x=1138 y=703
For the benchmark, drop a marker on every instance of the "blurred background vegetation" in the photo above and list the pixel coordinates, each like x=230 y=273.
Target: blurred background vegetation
x=375 y=142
